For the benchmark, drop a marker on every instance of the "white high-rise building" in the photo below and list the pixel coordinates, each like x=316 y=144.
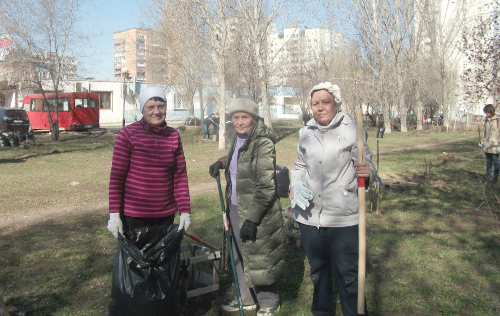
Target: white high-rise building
x=295 y=46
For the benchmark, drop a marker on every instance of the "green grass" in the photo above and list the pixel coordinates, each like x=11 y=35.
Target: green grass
x=433 y=250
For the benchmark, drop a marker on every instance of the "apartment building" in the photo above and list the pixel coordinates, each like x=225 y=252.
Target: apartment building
x=69 y=65
x=130 y=49
x=295 y=46
x=296 y=41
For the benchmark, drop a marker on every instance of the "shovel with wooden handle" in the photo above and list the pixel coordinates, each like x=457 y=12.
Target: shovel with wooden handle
x=362 y=218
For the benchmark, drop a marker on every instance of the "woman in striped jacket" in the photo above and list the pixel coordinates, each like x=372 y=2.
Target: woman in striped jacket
x=148 y=182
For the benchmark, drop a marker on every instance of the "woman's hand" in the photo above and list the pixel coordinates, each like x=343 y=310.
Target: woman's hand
x=362 y=170
x=300 y=195
x=213 y=170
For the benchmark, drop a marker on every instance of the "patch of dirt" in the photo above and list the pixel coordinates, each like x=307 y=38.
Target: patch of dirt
x=421 y=146
x=396 y=177
x=19 y=221
x=444 y=159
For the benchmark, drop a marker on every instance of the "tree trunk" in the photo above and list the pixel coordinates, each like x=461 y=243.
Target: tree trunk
x=403 y=118
x=260 y=56
x=265 y=104
x=202 y=108
x=222 y=110
x=419 y=109
x=403 y=113
x=387 y=117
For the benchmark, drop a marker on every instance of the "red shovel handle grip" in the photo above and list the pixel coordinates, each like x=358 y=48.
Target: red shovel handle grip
x=361 y=182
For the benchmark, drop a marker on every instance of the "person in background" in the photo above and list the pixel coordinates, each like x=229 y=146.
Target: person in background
x=323 y=192
x=209 y=120
x=216 y=125
x=254 y=208
x=491 y=143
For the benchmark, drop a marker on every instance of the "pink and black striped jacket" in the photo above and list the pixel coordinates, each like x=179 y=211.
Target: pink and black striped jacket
x=148 y=172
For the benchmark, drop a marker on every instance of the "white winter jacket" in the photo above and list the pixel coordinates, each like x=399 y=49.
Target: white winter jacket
x=325 y=164
x=491 y=139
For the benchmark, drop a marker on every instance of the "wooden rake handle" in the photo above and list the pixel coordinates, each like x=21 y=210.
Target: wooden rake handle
x=362 y=218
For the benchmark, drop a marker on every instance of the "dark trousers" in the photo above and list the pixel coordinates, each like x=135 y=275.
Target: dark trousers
x=492 y=161
x=332 y=250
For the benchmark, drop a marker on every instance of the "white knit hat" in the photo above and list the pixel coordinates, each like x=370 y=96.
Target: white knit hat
x=243 y=105
x=149 y=93
x=328 y=86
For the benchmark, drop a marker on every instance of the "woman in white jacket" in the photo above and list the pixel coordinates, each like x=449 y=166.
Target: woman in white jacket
x=324 y=196
x=491 y=142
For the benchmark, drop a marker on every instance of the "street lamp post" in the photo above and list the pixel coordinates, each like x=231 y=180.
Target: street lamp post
x=125 y=75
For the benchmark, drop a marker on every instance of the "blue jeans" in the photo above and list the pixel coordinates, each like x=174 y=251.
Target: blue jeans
x=332 y=250
x=492 y=159
x=206 y=131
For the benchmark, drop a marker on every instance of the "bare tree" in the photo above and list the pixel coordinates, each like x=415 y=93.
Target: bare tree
x=180 y=48
x=42 y=31
x=397 y=22
x=214 y=15
x=443 y=36
x=398 y=35
x=481 y=48
x=257 y=19
x=366 y=17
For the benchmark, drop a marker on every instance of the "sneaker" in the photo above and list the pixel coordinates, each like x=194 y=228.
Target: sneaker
x=268 y=311
x=233 y=307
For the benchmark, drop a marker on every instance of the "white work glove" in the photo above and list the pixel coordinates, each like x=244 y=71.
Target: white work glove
x=115 y=225
x=301 y=195
x=184 y=221
x=481 y=144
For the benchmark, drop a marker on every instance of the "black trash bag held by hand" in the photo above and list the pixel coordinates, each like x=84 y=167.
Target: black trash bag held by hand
x=146 y=273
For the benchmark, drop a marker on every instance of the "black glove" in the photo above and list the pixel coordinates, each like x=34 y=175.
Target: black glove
x=214 y=168
x=248 y=231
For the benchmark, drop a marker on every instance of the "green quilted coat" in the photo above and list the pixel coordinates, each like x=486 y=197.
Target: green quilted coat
x=258 y=202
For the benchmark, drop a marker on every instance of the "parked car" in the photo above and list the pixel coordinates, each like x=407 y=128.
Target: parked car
x=14 y=121
x=14 y=127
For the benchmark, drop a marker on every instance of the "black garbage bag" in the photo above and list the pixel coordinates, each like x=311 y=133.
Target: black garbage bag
x=146 y=273
x=283 y=179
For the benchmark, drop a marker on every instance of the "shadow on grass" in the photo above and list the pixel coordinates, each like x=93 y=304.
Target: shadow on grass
x=435 y=246
x=58 y=265
x=68 y=144
x=65 y=267
x=293 y=274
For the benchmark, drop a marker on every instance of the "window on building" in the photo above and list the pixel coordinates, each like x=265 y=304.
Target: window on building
x=104 y=100
x=289 y=104
x=178 y=103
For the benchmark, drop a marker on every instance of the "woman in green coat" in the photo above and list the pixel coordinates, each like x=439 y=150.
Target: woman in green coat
x=254 y=208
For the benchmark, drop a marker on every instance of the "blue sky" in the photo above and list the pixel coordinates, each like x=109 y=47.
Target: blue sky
x=102 y=19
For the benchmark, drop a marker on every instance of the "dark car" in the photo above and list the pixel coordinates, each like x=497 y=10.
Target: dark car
x=14 y=121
